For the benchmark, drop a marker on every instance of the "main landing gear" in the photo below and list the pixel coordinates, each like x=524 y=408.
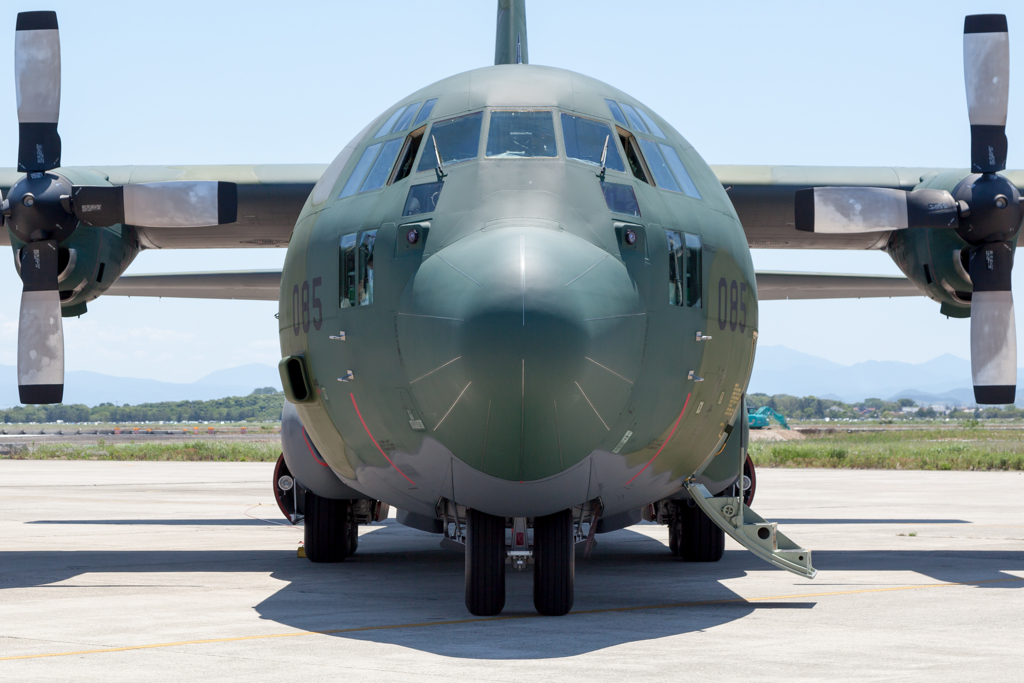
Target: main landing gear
x=553 y=556
x=692 y=536
x=330 y=532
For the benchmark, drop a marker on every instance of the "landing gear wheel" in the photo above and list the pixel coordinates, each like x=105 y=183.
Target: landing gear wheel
x=700 y=539
x=751 y=474
x=328 y=528
x=485 y=563
x=554 y=569
x=353 y=538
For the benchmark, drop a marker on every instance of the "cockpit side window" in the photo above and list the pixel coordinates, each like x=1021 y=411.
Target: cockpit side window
x=406 y=118
x=685 y=277
x=355 y=265
x=620 y=198
x=676 y=164
x=521 y=135
x=360 y=171
x=458 y=139
x=636 y=123
x=638 y=118
x=381 y=169
x=633 y=156
x=408 y=156
x=424 y=114
x=386 y=128
x=585 y=139
x=616 y=113
x=659 y=168
x=651 y=124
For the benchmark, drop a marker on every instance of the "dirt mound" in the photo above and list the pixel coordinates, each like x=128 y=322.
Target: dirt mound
x=775 y=434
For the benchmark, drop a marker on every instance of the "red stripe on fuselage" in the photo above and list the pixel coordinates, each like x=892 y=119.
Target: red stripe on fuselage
x=312 y=451
x=353 y=396
x=673 y=432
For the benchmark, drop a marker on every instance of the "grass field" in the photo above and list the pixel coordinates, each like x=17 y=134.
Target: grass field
x=192 y=451
x=969 y=448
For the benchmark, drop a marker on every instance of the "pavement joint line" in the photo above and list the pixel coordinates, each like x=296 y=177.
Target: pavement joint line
x=511 y=617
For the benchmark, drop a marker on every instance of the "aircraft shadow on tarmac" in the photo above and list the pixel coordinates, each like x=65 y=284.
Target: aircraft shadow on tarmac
x=401 y=577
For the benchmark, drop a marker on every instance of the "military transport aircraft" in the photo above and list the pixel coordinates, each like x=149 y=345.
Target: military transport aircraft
x=518 y=306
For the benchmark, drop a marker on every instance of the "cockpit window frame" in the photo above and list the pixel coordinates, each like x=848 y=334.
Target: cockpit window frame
x=555 y=133
x=427 y=146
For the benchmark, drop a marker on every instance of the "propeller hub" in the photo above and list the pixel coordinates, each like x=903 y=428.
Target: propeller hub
x=995 y=209
x=37 y=210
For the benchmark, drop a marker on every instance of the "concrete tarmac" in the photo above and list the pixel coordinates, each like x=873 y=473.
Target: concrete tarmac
x=173 y=571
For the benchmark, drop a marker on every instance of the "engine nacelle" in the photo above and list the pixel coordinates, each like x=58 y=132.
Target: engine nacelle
x=937 y=260
x=89 y=259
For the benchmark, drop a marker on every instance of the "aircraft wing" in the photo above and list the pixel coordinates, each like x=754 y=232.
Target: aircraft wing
x=774 y=285
x=270 y=197
x=764 y=197
x=251 y=285
x=263 y=285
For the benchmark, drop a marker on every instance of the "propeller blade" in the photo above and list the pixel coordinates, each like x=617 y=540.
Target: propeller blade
x=987 y=77
x=37 y=83
x=839 y=210
x=40 y=333
x=173 y=204
x=993 y=326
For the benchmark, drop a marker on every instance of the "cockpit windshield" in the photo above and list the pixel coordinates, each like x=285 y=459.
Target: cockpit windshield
x=521 y=134
x=457 y=140
x=585 y=140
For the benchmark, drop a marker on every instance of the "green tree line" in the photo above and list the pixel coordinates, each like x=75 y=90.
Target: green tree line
x=263 y=405
x=813 y=408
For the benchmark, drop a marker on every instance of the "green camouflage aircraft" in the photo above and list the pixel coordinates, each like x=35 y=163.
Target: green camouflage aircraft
x=560 y=332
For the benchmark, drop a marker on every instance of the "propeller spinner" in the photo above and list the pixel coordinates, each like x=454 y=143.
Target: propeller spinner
x=985 y=210
x=43 y=209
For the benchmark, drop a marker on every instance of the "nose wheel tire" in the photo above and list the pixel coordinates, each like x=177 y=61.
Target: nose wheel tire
x=328 y=528
x=698 y=538
x=485 y=563
x=554 y=570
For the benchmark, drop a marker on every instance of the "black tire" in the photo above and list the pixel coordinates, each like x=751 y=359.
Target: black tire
x=327 y=532
x=700 y=539
x=485 y=563
x=353 y=539
x=554 y=568
x=673 y=538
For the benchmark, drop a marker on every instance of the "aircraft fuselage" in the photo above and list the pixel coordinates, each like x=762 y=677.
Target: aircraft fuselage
x=507 y=330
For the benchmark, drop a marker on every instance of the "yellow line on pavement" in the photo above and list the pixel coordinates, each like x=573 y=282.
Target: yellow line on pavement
x=477 y=620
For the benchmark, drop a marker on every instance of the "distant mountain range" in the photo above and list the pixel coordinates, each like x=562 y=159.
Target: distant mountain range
x=93 y=388
x=945 y=380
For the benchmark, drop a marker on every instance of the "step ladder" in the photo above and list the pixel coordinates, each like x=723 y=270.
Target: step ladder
x=752 y=531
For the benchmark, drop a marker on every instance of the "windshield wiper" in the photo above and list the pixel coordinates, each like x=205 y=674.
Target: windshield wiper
x=439 y=169
x=604 y=157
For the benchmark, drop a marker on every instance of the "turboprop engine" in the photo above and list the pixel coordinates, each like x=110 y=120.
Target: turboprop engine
x=955 y=233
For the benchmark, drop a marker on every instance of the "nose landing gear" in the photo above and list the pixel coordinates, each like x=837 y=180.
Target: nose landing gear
x=553 y=558
x=485 y=563
x=554 y=570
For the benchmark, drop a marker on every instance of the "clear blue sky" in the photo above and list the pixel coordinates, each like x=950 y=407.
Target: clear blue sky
x=865 y=83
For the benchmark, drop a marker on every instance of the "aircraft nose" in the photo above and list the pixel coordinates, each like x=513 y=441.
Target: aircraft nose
x=521 y=347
